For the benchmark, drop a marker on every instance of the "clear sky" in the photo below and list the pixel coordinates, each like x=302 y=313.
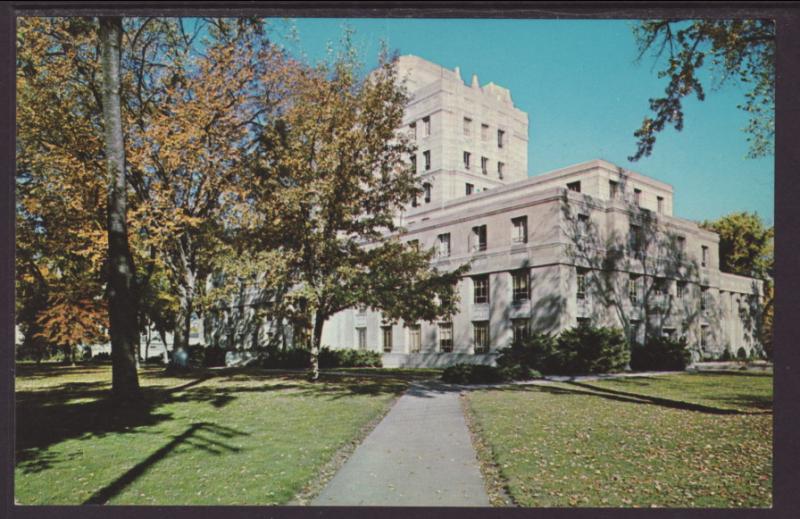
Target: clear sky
x=584 y=95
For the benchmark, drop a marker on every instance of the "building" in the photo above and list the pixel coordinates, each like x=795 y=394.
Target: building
x=590 y=243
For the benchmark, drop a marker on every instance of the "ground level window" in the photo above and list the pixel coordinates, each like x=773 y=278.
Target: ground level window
x=584 y=322
x=414 y=339
x=387 y=338
x=481 y=336
x=520 y=330
x=446 y=337
x=362 y=338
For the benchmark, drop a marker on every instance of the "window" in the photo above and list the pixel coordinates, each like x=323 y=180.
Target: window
x=583 y=225
x=584 y=322
x=426 y=126
x=703 y=299
x=470 y=188
x=581 y=283
x=519 y=327
x=467 y=155
x=427 y=157
x=484 y=132
x=633 y=288
x=446 y=337
x=680 y=289
x=681 y=243
x=484 y=165
x=520 y=286
x=613 y=189
x=704 y=259
x=637 y=197
x=501 y=167
x=480 y=334
x=412 y=130
x=413 y=159
x=704 y=335
x=574 y=186
x=479 y=238
x=467 y=126
x=387 y=338
x=443 y=249
x=635 y=238
x=414 y=339
x=519 y=231
x=633 y=331
x=362 y=338
x=426 y=187
x=480 y=289
x=660 y=200
x=660 y=286
x=501 y=137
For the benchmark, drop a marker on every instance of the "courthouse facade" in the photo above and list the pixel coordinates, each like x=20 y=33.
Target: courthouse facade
x=591 y=243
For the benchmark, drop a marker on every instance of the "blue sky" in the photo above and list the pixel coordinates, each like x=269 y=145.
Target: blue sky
x=584 y=95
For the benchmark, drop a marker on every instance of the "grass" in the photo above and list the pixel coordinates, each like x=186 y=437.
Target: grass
x=213 y=437
x=687 y=440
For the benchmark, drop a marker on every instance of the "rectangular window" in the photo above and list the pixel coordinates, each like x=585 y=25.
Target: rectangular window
x=387 y=338
x=484 y=132
x=635 y=238
x=480 y=334
x=467 y=126
x=519 y=230
x=681 y=243
x=584 y=322
x=660 y=286
x=362 y=338
x=443 y=245
x=427 y=157
x=467 y=155
x=613 y=189
x=704 y=262
x=426 y=187
x=412 y=130
x=470 y=188
x=501 y=137
x=501 y=167
x=519 y=327
x=426 y=126
x=479 y=238
x=660 y=200
x=520 y=286
x=581 y=283
x=704 y=335
x=414 y=339
x=633 y=288
x=574 y=186
x=480 y=289
x=484 y=165
x=637 y=197
x=583 y=225
x=680 y=289
x=446 y=337
x=633 y=332
x=703 y=299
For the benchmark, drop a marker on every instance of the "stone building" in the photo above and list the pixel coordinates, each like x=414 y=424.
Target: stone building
x=590 y=243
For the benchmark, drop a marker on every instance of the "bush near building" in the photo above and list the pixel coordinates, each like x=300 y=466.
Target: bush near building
x=661 y=354
x=298 y=358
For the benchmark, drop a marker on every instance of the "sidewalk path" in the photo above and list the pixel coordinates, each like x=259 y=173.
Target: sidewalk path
x=420 y=454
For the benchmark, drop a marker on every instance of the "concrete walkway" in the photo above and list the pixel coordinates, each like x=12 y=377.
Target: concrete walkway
x=420 y=454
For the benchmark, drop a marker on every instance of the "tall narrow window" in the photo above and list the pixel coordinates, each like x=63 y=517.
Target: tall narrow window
x=501 y=169
x=467 y=156
x=480 y=289
x=519 y=327
x=479 y=238
x=501 y=138
x=426 y=126
x=446 y=337
x=443 y=249
x=480 y=334
x=387 y=338
x=467 y=126
x=704 y=258
x=680 y=242
x=469 y=188
x=703 y=299
x=414 y=338
x=680 y=289
x=635 y=238
x=362 y=338
x=633 y=288
x=519 y=229
x=613 y=189
x=637 y=197
x=412 y=130
x=520 y=286
x=574 y=186
x=583 y=225
x=427 y=157
x=660 y=200
x=581 y=283
x=426 y=187
x=704 y=335
x=633 y=331
x=484 y=132
x=484 y=165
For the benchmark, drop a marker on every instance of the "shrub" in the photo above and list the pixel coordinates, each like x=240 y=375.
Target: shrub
x=154 y=359
x=350 y=358
x=661 y=354
x=293 y=358
x=725 y=356
x=588 y=350
x=214 y=357
x=536 y=352
x=485 y=374
x=741 y=353
x=101 y=357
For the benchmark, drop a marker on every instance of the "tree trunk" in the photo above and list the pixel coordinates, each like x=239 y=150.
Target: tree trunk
x=163 y=334
x=316 y=339
x=121 y=297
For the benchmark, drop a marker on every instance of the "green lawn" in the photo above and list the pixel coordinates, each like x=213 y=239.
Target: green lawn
x=688 y=440
x=238 y=437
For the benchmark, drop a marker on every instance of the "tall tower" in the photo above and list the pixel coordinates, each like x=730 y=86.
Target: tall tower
x=469 y=137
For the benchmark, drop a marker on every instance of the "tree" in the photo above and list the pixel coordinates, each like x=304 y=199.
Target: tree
x=742 y=50
x=331 y=176
x=746 y=247
x=122 y=299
